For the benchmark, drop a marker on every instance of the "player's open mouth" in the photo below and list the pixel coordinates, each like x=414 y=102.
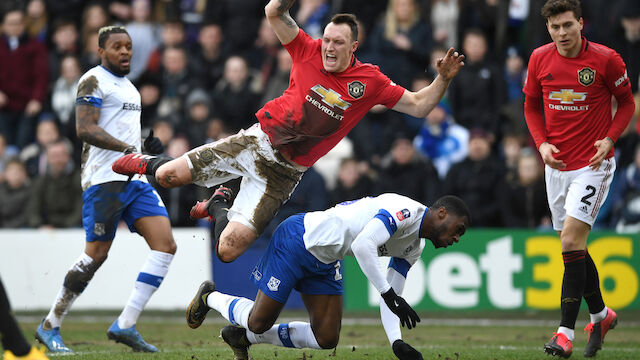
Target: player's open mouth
x=331 y=59
x=124 y=62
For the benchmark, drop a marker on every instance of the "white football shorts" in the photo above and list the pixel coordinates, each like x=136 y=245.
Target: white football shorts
x=578 y=193
x=268 y=179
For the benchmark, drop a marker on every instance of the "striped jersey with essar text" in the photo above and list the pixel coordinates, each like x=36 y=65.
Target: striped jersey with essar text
x=120 y=110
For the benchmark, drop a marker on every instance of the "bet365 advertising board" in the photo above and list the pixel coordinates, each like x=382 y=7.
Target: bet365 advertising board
x=505 y=269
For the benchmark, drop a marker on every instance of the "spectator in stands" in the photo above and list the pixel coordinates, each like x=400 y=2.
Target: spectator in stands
x=94 y=16
x=444 y=19
x=56 y=195
x=627 y=38
x=625 y=198
x=145 y=36
x=405 y=41
x=263 y=56
x=240 y=20
x=279 y=81
x=163 y=130
x=7 y=152
x=63 y=95
x=478 y=180
x=312 y=16
x=14 y=194
x=176 y=82
x=329 y=164
x=89 y=57
x=64 y=42
x=353 y=182
x=511 y=147
x=120 y=11
x=23 y=79
x=512 y=111
x=173 y=35
x=401 y=166
x=34 y=155
x=207 y=58
x=37 y=20
x=149 y=88
x=523 y=201
x=476 y=96
x=215 y=130
x=442 y=140
x=196 y=120
x=234 y=100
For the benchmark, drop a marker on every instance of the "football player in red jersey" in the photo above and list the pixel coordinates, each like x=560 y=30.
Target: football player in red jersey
x=573 y=80
x=329 y=92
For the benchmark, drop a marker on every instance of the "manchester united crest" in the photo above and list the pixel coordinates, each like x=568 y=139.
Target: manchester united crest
x=586 y=76
x=356 y=89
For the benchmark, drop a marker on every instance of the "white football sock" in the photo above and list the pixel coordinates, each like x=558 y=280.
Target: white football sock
x=153 y=271
x=596 y=318
x=567 y=332
x=233 y=308
x=66 y=297
x=296 y=334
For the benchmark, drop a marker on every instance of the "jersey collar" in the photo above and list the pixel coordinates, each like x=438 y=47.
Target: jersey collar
x=109 y=71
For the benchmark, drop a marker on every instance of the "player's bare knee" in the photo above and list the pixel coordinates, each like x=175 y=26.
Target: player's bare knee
x=228 y=246
x=571 y=243
x=259 y=326
x=329 y=341
x=167 y=177
x=227 y=255
x=170 y=247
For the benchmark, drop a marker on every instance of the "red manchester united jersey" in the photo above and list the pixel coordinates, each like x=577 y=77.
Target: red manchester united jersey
x=576 y=95
x=319 y=108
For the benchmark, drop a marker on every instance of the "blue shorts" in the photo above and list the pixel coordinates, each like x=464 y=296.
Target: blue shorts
x=287 y=265
x=105 y=204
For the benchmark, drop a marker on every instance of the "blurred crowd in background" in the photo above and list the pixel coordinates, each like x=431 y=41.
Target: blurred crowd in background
x=203 y=67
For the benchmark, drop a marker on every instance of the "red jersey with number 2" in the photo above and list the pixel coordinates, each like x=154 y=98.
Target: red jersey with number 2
x=576 y=95
x=319 y=108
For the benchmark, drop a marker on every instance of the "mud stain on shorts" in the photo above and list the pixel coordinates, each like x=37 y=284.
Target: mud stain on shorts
x=202 y=160
x=280 y=177
x=281 y=180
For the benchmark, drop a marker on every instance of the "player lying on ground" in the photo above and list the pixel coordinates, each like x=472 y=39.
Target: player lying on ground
x=305 y=254
x=330 y=91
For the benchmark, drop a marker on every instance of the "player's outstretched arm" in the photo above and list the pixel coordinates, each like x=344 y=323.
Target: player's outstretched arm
x=420 y=103
x=277 y=13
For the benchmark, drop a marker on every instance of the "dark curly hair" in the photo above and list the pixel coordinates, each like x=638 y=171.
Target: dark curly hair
x=555 y=7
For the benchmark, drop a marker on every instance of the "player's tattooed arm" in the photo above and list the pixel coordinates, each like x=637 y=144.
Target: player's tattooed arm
x=283 y=9
x=277 y=13
x=87 y=117
x=88 y=130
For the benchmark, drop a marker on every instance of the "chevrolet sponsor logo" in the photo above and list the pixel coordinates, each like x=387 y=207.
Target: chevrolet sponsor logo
x=331 y=97
x=567 y=96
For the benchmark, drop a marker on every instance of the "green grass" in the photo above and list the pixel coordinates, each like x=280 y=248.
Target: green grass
x=435 y=338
